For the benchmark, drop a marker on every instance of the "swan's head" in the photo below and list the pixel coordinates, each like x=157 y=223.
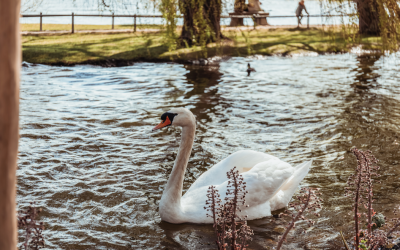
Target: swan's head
x=176 y=117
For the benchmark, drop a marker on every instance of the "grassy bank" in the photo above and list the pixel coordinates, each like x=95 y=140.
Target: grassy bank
x=80 y=48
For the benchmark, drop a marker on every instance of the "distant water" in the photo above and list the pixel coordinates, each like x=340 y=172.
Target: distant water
x=88 y=158
x=274 y=7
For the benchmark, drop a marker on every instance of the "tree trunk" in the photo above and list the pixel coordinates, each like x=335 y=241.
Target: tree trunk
x=189 y=31
x=213 y=9
x=201 y=21
x=10 y=63
x=368 y=17
x=240 y=6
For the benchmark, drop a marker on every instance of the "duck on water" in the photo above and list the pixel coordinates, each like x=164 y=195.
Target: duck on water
x=249 y=69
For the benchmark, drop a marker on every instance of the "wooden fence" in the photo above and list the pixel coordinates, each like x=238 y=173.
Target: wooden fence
x=113 y=16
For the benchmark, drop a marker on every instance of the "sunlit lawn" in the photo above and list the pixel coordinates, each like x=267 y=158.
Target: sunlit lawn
x=79 y=48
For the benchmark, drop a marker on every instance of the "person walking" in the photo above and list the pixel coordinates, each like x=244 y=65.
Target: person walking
x=299 y=12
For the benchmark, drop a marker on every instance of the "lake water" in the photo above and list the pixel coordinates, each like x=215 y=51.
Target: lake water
x=88 y=158
x=274 y=7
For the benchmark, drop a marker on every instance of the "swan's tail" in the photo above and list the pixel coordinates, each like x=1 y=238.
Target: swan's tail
x=285 y=193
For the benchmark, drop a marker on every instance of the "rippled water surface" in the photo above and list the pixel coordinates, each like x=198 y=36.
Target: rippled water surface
x=88 y=158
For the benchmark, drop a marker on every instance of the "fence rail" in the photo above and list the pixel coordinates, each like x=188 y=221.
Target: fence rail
x=72 y=15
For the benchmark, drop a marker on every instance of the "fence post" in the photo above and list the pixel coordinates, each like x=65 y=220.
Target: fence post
x=112 y=21
x=72 y=22
x=134 y=24
x=40 y=21
x=308 y=21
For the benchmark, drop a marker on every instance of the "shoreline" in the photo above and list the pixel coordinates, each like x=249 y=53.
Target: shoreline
x=124 y=49
x=200 y=61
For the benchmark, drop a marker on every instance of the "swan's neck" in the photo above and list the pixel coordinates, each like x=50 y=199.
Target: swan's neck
x=171 y=198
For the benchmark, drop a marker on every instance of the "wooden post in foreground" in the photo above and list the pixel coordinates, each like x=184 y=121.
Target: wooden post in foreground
x=10 y=63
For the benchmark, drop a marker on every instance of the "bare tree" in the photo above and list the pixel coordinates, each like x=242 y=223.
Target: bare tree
x=30 y=5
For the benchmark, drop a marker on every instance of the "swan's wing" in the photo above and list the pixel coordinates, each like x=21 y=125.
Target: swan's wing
x=265 y=179
x=270 y=185
x=285 y=193
x=243 y=160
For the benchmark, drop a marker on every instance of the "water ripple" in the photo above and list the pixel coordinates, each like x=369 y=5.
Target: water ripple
x=88 y=158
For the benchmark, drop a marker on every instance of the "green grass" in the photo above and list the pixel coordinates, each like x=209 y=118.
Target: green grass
x=79 y=48
x=54 y=27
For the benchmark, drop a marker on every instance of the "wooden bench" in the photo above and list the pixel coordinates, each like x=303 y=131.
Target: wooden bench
x=260 y=18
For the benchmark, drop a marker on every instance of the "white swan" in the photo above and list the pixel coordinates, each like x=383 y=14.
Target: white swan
x=270 y=181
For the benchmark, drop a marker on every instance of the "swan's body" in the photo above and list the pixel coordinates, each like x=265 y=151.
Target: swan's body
x=270 y=181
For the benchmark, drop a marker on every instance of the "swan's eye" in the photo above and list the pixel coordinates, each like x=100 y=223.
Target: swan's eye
x=167 y=119
x=171 y=116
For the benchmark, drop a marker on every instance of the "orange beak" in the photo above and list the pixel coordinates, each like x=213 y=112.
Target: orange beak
x=162 y=124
